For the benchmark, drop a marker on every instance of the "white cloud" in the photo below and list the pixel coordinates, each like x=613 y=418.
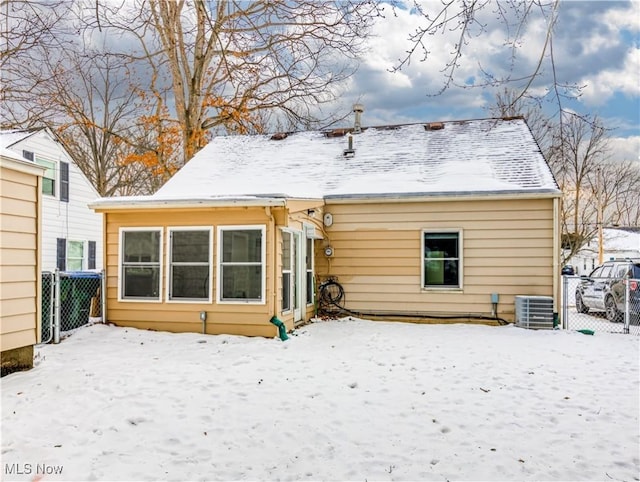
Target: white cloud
x=604 y=84
x=624 y=18
x=625 y=148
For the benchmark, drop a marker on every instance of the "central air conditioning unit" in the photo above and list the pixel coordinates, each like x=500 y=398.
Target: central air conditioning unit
x=534 y=312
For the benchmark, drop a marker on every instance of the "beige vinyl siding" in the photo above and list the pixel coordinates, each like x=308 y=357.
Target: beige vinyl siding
x=508 y=248
x=237 y=318
x=19 y=247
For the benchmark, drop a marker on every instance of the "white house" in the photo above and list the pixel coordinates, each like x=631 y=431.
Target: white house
x=617 y=243
x=71 y=232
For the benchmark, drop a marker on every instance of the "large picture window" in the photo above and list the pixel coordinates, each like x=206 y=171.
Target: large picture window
x=241 y=264
x=141 y=253
x=189 y=264
x=442 y=259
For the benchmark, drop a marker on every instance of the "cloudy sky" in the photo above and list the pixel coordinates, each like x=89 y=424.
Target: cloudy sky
x=596 y=45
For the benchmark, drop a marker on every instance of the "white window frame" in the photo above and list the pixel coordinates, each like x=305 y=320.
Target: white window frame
x=263 y=254
x=121 y=232
x=306 y=270
x=39 y=160
x=83 y=260
x=168 y=281
x=457 y=231
x=286 y=232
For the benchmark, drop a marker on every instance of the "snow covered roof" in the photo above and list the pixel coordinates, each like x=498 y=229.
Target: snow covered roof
x=486 y=156
x=622 y=239
x=12 y=136
x=4 y=152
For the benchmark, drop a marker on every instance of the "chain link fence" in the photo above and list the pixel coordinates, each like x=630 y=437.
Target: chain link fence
x=70 y=300
x=612 y=309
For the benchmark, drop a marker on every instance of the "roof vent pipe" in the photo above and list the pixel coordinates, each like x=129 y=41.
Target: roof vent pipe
x=358 y=109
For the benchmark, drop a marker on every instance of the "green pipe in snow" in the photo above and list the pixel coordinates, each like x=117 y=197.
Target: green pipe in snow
x=282 y=330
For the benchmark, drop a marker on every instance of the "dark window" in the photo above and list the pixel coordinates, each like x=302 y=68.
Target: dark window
x=441 y=261
x=28 y=155
x=241 y=264
x=141 y=264
x=190 y=264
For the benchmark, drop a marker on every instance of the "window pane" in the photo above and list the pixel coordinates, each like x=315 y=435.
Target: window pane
x=441 y=245
x=48 y=186
x=190 y=282
x=309 y=253
x=74 y=264
x=286 y=291
x=441 y=273
x=75 y=249
x=242 y=246
x=141 y=282
x=142 y=247
x=190 y=246
x=310 y=287
x=286 y=251
x=241 y=282
x=50 y=172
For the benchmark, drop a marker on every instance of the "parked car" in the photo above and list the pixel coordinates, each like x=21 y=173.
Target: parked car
x=568 y=270
x=604 y=289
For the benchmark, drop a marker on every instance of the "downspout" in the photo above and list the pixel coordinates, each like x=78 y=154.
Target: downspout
x=282 y=329
x=556 y=257
x=105 y=262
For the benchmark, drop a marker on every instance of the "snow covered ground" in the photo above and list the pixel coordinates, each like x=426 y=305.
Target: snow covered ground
x=341 y=400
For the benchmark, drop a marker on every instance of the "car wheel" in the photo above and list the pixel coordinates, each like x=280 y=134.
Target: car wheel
x=613 y=314
x=580 y=306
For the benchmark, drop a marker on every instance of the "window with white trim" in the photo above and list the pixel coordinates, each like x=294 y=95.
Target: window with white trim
x=189 y=264
x=241 y=264
x=442 y=259
x=286 y=271
x=75 y=255
x=49 y=176
x=140 y=270
x=309 y=271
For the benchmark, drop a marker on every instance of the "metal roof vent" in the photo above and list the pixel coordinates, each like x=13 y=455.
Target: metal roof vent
x=350 y=151
x=278 y=136
x=336 y=133
x=358 y=109
x=434 y=126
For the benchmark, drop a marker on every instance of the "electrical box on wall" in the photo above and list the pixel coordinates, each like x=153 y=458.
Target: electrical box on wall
x=310 y=231
x=328 y=251
x=328 y=219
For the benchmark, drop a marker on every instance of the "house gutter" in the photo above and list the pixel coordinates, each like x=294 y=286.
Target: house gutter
x=441 y=196
x=116 y=204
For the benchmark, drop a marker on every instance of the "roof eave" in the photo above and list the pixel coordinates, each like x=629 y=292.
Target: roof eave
x=442 y=196
x=108 y=204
